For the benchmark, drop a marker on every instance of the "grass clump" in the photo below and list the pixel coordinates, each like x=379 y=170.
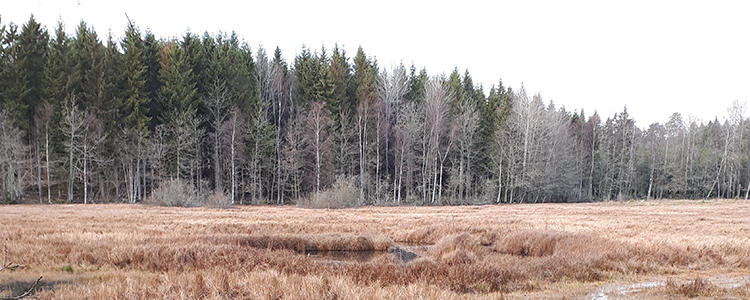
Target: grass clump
x=694 y=288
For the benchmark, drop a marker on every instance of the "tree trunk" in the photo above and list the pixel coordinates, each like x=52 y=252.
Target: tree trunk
x=377 y=161
x=234 y=172
x=85 y=174
x=499 y=180
x=38 y=169
x=70 y=172
x=217 y=165
x=651 y=177
x=46 y=158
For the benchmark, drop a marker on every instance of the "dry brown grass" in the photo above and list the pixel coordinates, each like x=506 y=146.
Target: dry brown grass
x=512 y=251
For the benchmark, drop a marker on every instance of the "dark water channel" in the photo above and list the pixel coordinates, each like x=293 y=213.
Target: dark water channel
x=403 y=253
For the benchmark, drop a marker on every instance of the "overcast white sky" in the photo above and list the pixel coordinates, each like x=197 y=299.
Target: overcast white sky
x=655 y=57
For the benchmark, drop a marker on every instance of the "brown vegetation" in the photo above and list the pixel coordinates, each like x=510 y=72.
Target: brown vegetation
x=511 y=251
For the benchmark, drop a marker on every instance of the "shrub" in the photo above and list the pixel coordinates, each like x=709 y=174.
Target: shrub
x=219 y=200
x=342 y=194
x=175 y=192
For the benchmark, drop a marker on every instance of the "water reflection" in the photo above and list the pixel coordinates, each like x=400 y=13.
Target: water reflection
x=346 y=256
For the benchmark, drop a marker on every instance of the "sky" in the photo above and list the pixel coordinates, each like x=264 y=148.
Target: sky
x=654 y=58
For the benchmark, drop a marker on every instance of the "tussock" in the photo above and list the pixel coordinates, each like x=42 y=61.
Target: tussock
x=458 y=249
x=696 y=287
x=320 y=242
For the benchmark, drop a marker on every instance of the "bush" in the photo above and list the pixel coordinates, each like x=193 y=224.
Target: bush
x=175 y=192
x=342 y=194
x=219 y=200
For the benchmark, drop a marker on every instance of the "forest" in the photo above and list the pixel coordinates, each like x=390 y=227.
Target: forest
x=90 y=119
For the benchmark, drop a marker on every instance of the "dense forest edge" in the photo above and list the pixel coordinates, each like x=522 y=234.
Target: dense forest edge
x=203 y=119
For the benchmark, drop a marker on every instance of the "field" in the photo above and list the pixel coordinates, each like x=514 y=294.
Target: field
x=617 y=250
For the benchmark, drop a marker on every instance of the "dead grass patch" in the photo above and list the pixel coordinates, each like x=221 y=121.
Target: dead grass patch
x=146 y=252
x=694 y=288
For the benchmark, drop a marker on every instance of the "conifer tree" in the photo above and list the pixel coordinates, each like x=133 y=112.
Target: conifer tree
x=136 y=101
x=11 y=83
x=135 y=113
x=342 y=110
x=177 y=93
x=33 y=48
x=85 y=62
x=150 y=56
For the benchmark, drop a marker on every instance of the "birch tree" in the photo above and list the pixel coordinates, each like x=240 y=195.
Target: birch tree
x=317 y=124
x=366 y=93
x=12 y=154
x=438 y=135
x=43 y=120
x=92 y=136
x=218 y=104
x=392 y=90
x=73 y=126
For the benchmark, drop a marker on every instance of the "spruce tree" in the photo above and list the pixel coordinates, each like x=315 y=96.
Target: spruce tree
x=11 y=84
x=55 y=69
x=416 y=91
x=177 y=94
x=342 y=110
x=150 y=56
x=136 y=101
x=113 y=85
x=33 y=48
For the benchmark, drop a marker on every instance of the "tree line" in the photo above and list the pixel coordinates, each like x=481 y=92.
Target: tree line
x=87 y=120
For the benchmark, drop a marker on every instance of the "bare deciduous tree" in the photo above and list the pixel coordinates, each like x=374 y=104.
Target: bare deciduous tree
x=73 y=126
x=218 y=105
x=438 y=138
x=232 y=141
x=92 y=136
x=12 y=159
x=43 y=118
x=392 y=88
x=319 y=144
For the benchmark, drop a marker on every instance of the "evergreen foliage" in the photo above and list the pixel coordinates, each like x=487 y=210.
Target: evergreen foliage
x=115 y=121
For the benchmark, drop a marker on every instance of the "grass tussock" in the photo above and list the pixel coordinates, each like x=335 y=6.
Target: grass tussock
x=321 y=242
x=458 y=249
x=694 y=288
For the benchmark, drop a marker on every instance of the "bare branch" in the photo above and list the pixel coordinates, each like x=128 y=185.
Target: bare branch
x=6 y=264
x=25 y=294
x=12 y=266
